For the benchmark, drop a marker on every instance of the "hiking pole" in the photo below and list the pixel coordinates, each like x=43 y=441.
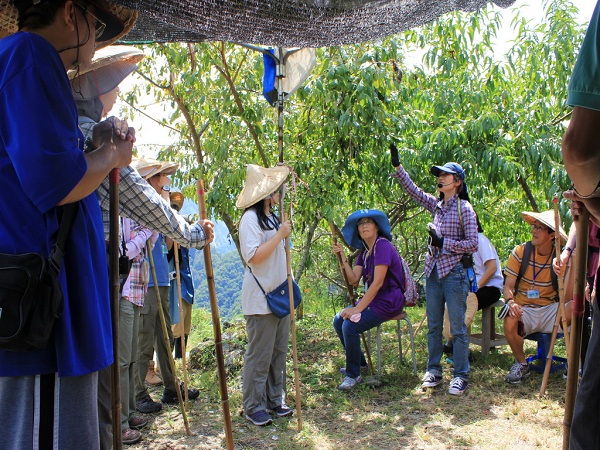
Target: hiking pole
x=351 y=295
x=288 y=264
x=182 y=338
x=115 y=285
x=165 y=333
x=582 y=221
x=560 y=311
x=216 y=321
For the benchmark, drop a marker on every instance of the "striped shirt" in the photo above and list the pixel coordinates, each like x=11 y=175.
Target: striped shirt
x=140 y=202
x=542 y=264
x=457 y=240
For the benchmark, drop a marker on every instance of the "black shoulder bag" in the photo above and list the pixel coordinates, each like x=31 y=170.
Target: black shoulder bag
x=30 y=294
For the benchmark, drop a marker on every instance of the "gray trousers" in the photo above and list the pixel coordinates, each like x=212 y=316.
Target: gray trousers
x=128 y=348
x=263 y=376
x=47 y=411
x=150 y=337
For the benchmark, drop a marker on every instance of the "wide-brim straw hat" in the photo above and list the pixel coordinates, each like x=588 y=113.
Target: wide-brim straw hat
x=350 y=228
x=177 y=200
x=546 y=218
x=166 y=167
x=119 y=20
x=144 y=167
x=110 y=66
x=260 y=183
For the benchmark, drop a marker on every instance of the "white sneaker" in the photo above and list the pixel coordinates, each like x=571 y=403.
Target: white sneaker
x=517 y=372
x=349 y=383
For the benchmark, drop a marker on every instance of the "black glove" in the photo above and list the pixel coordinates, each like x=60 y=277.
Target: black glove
x=394 y=155
x=435 y=240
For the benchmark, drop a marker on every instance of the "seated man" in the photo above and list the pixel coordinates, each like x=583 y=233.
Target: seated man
x=531 y=291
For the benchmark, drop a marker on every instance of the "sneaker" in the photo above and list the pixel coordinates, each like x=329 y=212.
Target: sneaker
x=137 y=422
x=364 y=368
x=518 y=371
x=431 y=380
x=146 y=405
x=152 y=378
x=170 y=397
x=281 y=411
x=130 y=436
x=260 y=418
x=349 y=383
x=458 y=386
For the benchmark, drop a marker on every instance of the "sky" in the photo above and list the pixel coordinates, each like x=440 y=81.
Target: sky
x=149 y=133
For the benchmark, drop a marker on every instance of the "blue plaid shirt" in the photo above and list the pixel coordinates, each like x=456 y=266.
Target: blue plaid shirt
x=457 y=240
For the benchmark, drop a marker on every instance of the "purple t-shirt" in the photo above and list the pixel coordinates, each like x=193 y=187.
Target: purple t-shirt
x=389 y=301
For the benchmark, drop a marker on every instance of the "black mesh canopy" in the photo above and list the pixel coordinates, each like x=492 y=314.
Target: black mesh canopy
x=310 y=23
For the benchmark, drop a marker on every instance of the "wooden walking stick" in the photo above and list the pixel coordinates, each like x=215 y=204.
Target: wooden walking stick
x=560 y=311
x=577 y=311
x=216 y=321
x=288 y=263
x=115 y=285
x=351 y=294
x=182 y=338
x=165 y=333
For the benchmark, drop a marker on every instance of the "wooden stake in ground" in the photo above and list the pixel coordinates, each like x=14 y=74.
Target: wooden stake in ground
x=216 y=321
x=351 y=295
x=182 y=338
x=115 y=286
x=577 y=310
x=165 y=334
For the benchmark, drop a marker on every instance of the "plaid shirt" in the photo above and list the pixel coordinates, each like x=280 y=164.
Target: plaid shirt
x=140 y=202
x=457 y=240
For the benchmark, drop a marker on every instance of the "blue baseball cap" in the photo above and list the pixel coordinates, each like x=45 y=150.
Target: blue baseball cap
x=350 y=228
x=449 y=167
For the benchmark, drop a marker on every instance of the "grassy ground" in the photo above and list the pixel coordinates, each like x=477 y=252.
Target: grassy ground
x=396 y=414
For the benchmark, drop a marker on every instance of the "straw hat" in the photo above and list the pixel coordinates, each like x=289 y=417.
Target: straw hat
x=119 y=20
x=110 y=66
x=145 y=167
x=547 y=218
x=260 y=183
x=350 y=228
x=166 y=167
x=177 y=200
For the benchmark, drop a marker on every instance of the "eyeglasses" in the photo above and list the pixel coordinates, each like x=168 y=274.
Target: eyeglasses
x=99 y=27
x=364 y=222
x=536 y=227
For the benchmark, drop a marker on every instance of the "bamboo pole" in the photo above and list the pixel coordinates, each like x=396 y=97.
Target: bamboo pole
x=165 y=333
x=182 y=338
x=115 y=285
x=351 y=295
x=560 y=311
x=577 y=310
x=216 y=321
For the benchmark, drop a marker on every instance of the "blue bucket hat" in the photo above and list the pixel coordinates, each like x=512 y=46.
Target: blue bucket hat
x=449 y=167
x=350 y=228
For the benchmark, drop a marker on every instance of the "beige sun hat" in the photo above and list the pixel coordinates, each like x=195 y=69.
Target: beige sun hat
x=110 y=66
x=260 y=183
x=547 y=218
x=119 y=20
x=177 y=200
x=144 y=167
x=166 y=167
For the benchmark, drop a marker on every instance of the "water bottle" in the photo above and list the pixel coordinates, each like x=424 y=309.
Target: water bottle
x=472 y=279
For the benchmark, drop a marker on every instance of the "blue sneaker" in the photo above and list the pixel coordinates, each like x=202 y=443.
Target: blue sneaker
x=431 y=380
x=259 y=418
x=458 y=386
x=281 y=411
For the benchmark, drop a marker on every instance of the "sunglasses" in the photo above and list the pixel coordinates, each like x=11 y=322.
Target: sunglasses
x=99 y=27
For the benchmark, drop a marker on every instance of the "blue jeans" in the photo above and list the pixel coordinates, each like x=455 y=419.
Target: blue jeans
x=349 y=333
x=451 y=290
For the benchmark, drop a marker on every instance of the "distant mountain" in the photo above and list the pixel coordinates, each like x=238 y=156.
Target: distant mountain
x=223 y=242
